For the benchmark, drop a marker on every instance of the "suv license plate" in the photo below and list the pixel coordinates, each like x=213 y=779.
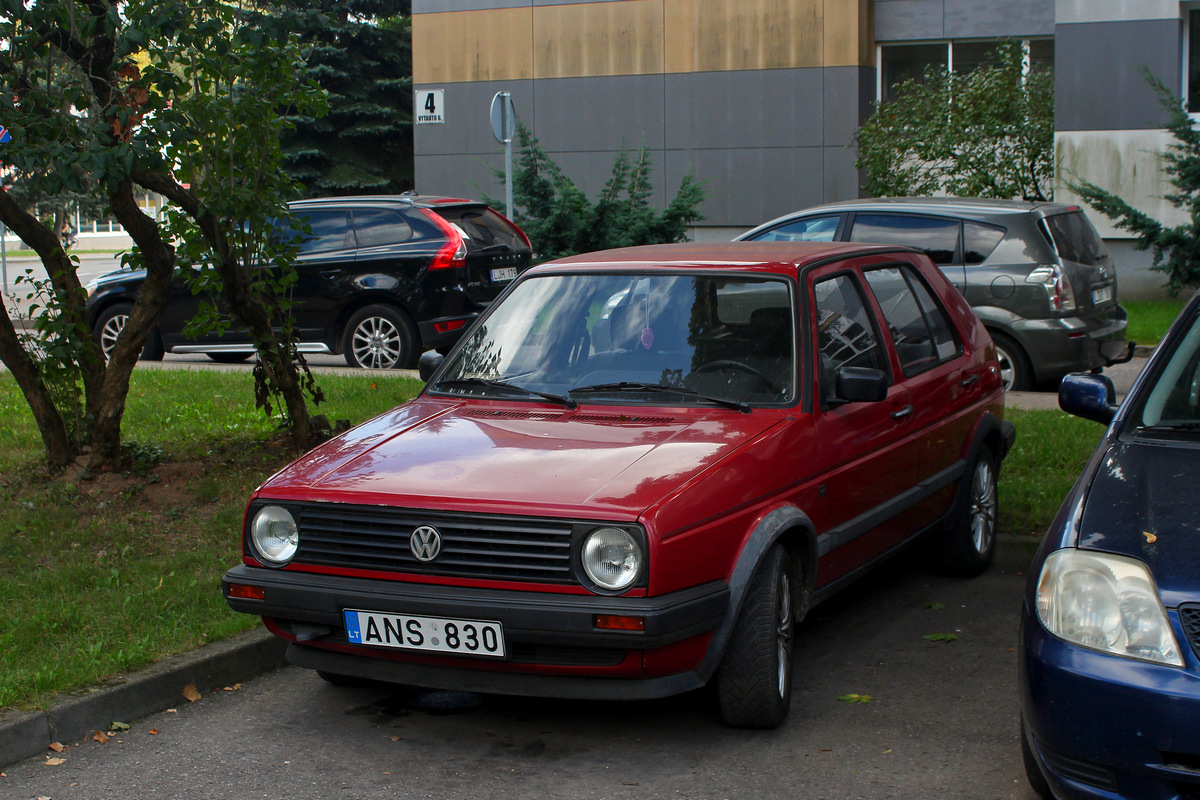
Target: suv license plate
x=1102 y=295
x=432 y=634
x=504 y=274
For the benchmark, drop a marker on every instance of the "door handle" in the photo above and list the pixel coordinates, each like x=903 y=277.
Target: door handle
x=902 y=413
x=969 y=381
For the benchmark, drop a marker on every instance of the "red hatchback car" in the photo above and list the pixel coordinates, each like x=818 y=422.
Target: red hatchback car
x=636 y=473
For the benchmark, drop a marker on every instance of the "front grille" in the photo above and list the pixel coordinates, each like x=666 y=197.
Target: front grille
x=473 y=546
x=1189 y=617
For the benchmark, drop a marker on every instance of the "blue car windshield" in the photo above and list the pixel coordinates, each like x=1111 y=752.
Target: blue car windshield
x=603 y=337
x=1171 y=399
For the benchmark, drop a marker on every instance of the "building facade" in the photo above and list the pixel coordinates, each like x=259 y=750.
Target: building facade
x=761 y=98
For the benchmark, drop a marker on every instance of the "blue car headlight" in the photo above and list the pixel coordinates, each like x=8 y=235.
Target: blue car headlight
x=1107 y=603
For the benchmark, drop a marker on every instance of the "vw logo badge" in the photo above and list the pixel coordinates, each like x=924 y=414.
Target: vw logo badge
x=425 y=543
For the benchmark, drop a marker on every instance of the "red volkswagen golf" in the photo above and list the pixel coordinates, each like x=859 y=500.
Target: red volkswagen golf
x=636 y=473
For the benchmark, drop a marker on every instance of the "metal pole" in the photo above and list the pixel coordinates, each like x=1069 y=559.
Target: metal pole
x=4 y=256
x=508 y=190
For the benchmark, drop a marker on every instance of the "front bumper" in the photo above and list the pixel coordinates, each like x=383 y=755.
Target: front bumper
x=1102 y=726
x=555 y=648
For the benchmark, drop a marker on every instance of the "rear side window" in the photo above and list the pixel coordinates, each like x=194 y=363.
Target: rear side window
x=378 y=226
x=811 y=229
x=979 y=241
x=329 y=230
x=483 y=227
x=937 y=237
x=919 y=328
x=1075 y=239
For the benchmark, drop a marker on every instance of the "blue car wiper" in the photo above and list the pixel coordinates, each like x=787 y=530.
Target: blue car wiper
x=636 y=386
x=511 y=388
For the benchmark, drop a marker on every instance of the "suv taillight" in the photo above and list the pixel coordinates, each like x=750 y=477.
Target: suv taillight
x=1058 y=289
x=453 y=253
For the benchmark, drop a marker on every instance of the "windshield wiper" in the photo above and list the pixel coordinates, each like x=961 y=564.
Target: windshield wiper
x=511 y=388
x=1174 y=427
x=635 y=386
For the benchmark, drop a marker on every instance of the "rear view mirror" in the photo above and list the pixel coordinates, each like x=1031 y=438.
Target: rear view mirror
x=429 y=363
x=861 y=385
x=1089 y=396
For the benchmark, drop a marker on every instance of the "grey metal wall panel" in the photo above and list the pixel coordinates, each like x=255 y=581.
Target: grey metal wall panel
x=759 y=108
x=1070 y=11
x=848 y=100
x=1098 y=80
x=902 y=20
x=600 y=113
x=460 y=176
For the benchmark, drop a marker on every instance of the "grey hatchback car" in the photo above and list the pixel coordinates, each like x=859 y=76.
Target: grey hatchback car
x=1037 y=274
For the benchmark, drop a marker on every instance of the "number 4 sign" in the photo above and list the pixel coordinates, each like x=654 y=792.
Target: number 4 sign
x=430 y=106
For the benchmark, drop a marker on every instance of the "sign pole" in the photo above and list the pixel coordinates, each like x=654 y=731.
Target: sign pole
x=504 y=125
x=4 y=256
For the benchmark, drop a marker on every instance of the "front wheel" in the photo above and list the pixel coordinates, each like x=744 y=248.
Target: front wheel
x=379 y=337
x=754 y=681
x=966 y=547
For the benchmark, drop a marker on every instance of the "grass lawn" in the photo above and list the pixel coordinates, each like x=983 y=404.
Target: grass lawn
x=106 y=574
x=1149 y=319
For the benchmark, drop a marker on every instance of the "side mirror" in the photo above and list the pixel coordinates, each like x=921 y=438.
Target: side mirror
x=1089 y=396
x=861 y=385
x=429 y=363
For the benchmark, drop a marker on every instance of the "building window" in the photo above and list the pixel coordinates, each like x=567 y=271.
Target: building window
x=1191 y=40
x=900 y=62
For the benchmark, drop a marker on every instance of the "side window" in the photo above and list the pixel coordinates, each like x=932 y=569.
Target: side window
x=845 y=335
x=979 y=241
x=809 y=229
x=918 y=325
x=330 y=230
x=377 y=226
x=937 y=237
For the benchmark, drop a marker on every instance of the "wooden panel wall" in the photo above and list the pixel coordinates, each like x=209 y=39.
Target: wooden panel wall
x=640 y=37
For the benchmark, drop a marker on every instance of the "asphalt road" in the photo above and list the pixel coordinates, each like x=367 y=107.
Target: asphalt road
x=942 y=724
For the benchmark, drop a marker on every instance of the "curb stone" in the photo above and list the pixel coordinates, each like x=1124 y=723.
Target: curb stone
x=24 y=734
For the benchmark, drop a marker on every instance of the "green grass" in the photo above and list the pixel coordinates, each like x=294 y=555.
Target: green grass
x=1149 y=319
x=105 y=575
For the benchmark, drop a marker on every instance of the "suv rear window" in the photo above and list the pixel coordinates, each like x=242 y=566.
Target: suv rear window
x=483 y=227
x=1075 y=239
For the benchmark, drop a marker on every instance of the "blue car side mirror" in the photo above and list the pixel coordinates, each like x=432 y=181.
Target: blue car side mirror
x=1089 y=396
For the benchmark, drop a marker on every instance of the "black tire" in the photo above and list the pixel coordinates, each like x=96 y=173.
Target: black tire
x=1033 y=773
x=229 y=358
x=109 y=327
x=754 y=680
x=968 y=543
x=1015 y=371
x=380 y=337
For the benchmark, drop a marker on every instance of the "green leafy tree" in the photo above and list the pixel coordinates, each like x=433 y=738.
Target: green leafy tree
x=988 y=133
x=1176 y=249
x=162 y=95
x=560 y=221
x=361 y=53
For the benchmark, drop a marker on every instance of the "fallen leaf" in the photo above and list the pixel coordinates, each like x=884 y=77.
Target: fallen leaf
x=1150 y=537
x=190 y=692
x=54 y=762
x=825 y=750
x=172 y=711
x=397 y=738
x=856 y=698
x=119 y=726
x=56 y=747
x=153 y=731
x=100 y=737
x=374 y=385
x=935 y=606
x=940 y=637
x=233 y=688
x=885 y=752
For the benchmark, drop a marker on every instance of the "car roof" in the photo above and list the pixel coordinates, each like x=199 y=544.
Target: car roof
x=407 y=198
x=785 y=257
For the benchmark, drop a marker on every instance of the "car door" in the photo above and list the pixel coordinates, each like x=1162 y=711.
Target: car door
x=937 y=237
x=942 y=381
x=869 y=455
x=327 y=254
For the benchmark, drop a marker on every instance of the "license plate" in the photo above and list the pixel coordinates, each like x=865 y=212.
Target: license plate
x=504 y=274
x=1102 y=295
x=430 y=634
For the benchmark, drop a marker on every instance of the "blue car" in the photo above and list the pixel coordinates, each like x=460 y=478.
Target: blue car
x=1110 y=626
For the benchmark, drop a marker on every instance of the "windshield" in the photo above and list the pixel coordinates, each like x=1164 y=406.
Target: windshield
x=1172 y=397
x=627 y=337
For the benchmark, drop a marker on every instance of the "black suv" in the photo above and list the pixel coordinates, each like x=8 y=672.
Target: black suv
x=380 y=280
x=1036 y=274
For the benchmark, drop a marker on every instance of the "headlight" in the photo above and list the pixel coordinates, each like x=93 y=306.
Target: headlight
x=275 y=535
x=1107 y=603
x=612 y=558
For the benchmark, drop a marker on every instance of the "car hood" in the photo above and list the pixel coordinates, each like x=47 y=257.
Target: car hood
x=1140 y=504
x=602 y=461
